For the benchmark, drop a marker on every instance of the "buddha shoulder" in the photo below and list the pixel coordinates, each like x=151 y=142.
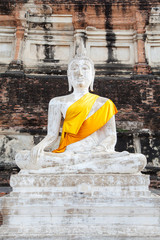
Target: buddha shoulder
x=101 y=100
x=57 y=101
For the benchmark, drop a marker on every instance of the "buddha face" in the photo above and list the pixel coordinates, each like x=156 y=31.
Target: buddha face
x=80 y=73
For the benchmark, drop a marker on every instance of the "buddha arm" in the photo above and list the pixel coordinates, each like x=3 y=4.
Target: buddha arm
x=54 y=119
x=110 y=139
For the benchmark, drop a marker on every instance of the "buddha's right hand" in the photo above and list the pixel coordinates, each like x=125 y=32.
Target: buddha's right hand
x=36 y=153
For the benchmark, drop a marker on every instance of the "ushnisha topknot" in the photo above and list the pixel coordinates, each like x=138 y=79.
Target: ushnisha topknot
x=81 y=53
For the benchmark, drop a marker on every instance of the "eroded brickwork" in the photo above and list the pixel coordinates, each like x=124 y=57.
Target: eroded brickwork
x=25 y=99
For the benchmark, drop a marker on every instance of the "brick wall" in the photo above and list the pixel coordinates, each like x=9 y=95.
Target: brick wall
x=25 y=99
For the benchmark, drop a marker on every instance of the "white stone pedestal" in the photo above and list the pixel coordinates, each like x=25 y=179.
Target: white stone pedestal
x=80 y=206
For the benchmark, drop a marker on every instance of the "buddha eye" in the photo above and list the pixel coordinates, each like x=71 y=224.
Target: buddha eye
x=74 y=67
x=85 y=67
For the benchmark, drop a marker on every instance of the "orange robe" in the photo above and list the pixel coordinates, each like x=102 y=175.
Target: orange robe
x=76 y=127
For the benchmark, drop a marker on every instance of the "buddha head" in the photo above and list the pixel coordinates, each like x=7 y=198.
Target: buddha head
x=81 y=71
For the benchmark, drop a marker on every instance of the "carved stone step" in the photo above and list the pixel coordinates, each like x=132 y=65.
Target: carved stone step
x=66 y=180
x=82 y=232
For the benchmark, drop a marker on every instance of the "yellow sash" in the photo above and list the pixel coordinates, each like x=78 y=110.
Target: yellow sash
x=76 y=128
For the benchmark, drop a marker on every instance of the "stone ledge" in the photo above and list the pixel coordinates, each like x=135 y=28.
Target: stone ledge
x=83 y=232
x=78 y=238
x=70 y=180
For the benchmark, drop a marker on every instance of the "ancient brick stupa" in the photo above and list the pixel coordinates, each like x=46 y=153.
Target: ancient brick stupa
x=80 y=187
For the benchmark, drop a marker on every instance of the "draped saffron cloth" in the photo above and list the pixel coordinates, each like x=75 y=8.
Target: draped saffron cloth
x=76 y=127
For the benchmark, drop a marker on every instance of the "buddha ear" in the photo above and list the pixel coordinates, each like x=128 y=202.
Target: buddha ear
x=69 y=82
x=69 y=86
x=91 y=85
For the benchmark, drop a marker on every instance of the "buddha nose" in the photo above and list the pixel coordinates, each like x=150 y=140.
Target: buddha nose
x=80 y=72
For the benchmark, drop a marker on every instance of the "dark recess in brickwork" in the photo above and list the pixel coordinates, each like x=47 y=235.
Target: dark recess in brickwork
x=125 y=142
x=6 y=7
x=144 y=4
x=150 y=145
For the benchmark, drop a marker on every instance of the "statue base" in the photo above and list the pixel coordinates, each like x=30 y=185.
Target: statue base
x=80 y=206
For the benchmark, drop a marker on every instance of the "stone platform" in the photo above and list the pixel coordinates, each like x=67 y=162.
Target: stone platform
x=80 y=206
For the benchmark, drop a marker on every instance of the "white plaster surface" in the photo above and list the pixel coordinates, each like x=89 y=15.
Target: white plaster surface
x=82 y=206
x=57 y=35
x=123 y=50
x=152 y=44
x=155 y=15
x=7 y=41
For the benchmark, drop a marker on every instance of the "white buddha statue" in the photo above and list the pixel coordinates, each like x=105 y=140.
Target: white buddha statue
x=89 y=132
